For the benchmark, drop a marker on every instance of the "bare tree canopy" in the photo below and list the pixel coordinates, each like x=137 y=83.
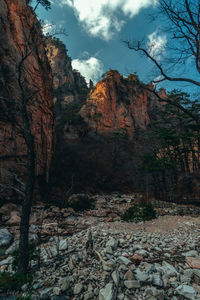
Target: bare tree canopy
x=182 y=19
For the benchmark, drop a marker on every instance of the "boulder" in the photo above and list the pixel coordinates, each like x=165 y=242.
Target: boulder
x=136 y=259
x=5 y=237
x=186 y=291
x=115 y=277
x=64 y=283
x=14 y=220
x=132 y=284
x=78 y=288
x=107 y=292
x=63 y=244
x=193 y=262
x=112 y=243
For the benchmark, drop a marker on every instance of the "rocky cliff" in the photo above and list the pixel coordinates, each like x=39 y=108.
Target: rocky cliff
x=68 y=84
x=97 y=135
x=119 y=104
x=24 y=69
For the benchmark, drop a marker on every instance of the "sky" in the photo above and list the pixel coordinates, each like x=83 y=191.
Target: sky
x=96 y=30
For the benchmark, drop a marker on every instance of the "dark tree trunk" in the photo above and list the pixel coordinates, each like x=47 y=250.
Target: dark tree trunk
x=24 y=225
x=23 y=261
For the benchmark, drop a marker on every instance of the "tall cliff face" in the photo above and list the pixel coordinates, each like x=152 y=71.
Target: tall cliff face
x=98 y=145
x=24 y=68
x=68 y=84
x=119 y=104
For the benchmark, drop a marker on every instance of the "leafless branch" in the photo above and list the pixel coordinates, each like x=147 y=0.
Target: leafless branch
x=183 y=29
x=174 y=103
x=158 y=65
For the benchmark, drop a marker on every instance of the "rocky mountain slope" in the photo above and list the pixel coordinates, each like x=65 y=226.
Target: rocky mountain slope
x=104 y=133
x=68 y=84
x=97 y=128
x=24 y=70
x=119 y=104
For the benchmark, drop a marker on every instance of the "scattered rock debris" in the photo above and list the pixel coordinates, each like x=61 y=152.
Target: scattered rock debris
x=83 y=256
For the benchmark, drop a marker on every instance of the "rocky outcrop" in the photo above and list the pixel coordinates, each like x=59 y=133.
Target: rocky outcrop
x=70 y=92
x=68 y=84
x=119 y=105
x=24 y=72
x=98 y=146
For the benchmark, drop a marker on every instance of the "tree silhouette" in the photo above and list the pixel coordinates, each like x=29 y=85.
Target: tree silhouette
x=45 y=3
x=176 y=138
x=183 y=29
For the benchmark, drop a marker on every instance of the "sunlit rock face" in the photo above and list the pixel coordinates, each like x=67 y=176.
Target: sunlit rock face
x=119 y=104
x=97 y=139
x=21 y=40
x=97 y=127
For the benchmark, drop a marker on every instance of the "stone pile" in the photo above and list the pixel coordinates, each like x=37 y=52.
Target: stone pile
x=125 y=266
x=118 y=265
x=108 y=260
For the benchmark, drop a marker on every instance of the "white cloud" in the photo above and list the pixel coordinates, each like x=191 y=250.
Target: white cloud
x=133 y=7
x=156 y=45
x=91 y=68
x=47 y=27
x=101 y=17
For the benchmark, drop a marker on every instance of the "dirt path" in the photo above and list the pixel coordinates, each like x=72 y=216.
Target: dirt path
x=164 y=224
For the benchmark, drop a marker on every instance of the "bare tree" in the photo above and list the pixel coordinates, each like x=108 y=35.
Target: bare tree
x=183 y=30
x=182 y=27
x=30 y=182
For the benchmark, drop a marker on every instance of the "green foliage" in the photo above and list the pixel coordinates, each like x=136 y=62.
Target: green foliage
x=14 y=281
x=133 y=77
x=175 y=139
x=33 y=255
x=153 y=163
x=56 y=42
x=71 y=115
x=9 y=281
x=139 y=212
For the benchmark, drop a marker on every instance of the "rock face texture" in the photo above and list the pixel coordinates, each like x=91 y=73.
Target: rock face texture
x=68 y=84
x=70 y=91
x=119 y=104
x=24 y=69
x=97 y=146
